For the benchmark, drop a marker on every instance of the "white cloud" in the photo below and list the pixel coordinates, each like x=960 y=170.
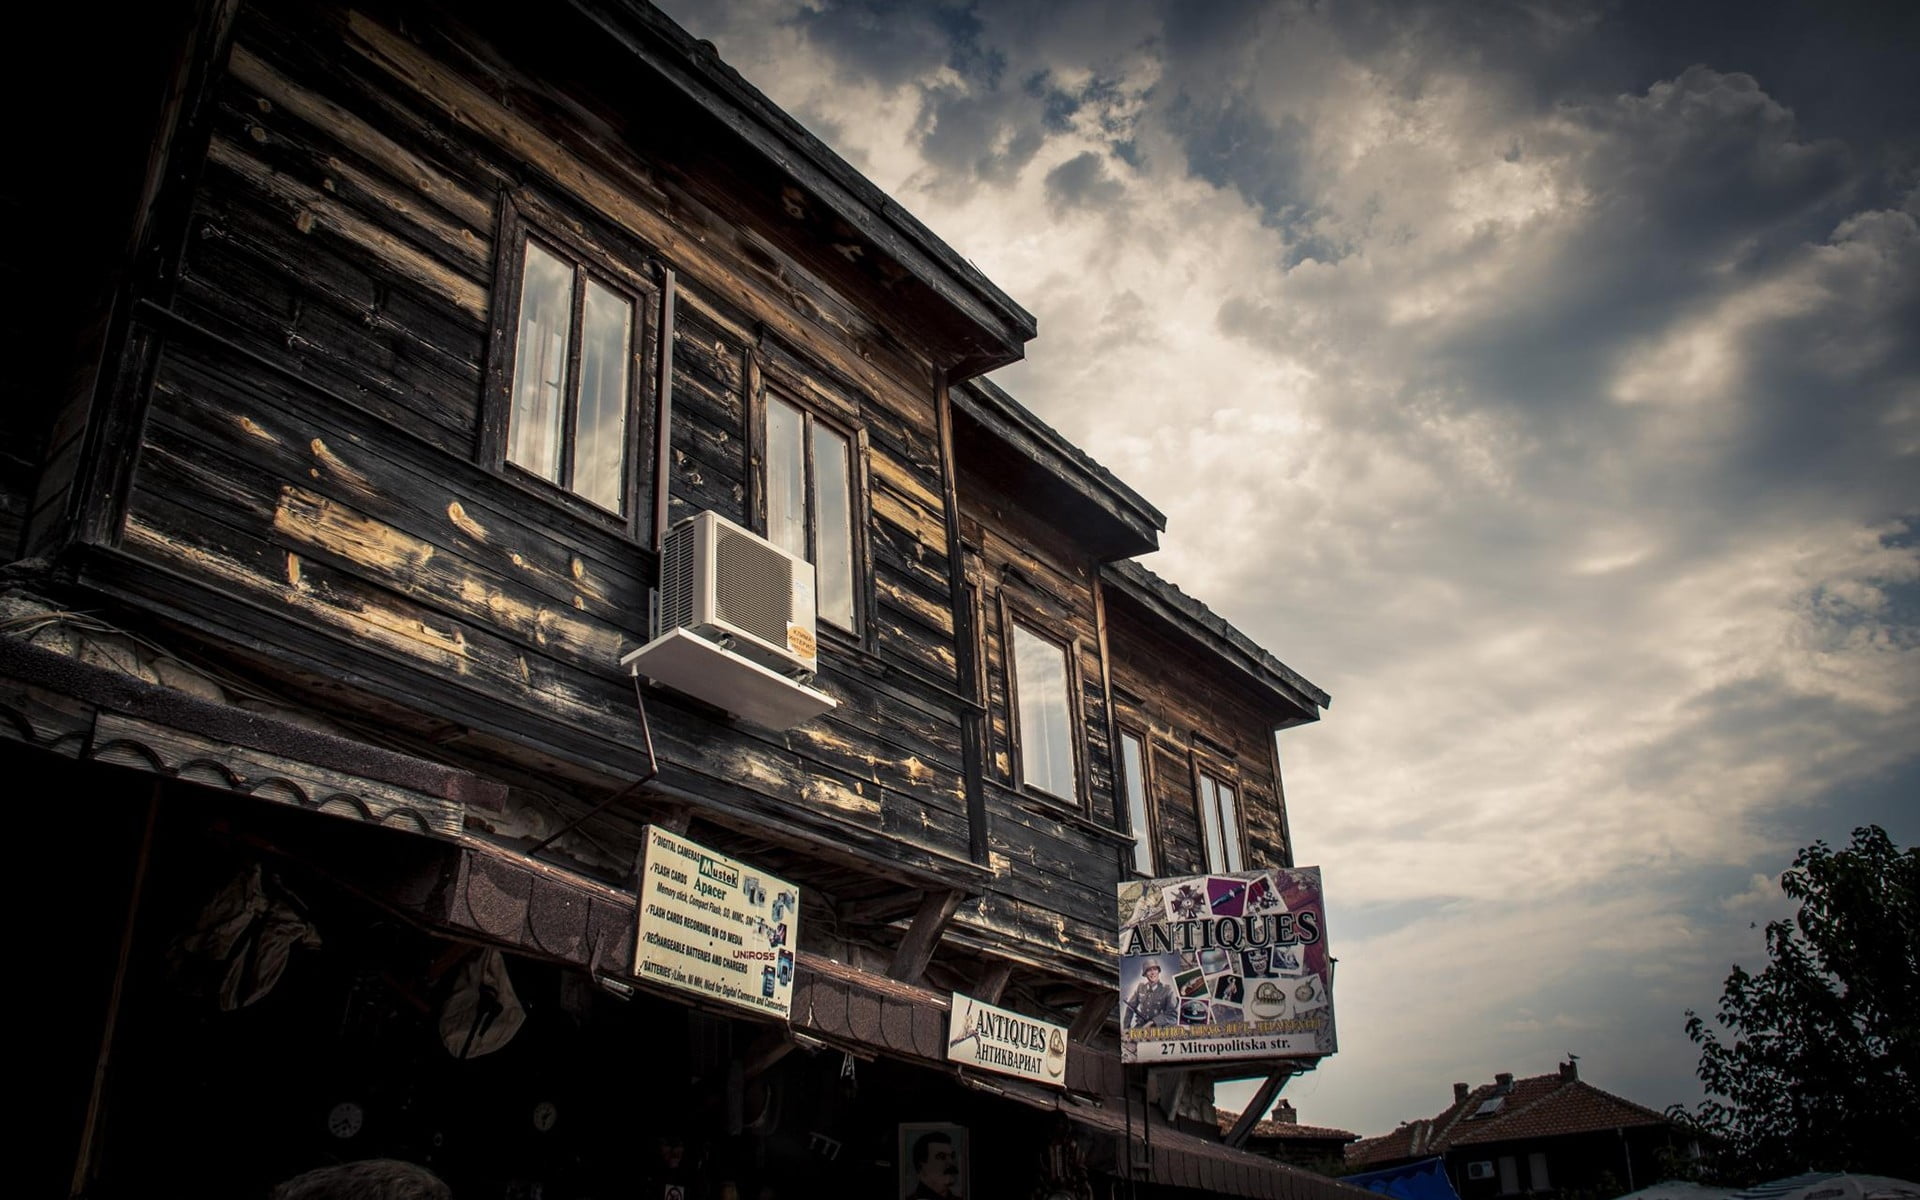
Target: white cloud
x=1567 y=443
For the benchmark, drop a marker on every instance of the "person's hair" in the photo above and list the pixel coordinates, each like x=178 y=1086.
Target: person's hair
x=371 y=1179
x=923 y=1147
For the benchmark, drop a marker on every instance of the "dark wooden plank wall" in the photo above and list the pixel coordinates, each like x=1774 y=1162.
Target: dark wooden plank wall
x=1164 y=688
x=317 y=490
x=1057 y=864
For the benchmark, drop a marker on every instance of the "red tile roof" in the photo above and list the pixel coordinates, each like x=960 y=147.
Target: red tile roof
x=1287 y=1129
x=1538 y=1106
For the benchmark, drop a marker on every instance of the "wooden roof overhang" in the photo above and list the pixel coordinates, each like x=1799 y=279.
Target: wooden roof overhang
x=84 y=712
x=465 y=887
x=485 y=894
x=825 y=212
x=998 y=438
x=1298 y=700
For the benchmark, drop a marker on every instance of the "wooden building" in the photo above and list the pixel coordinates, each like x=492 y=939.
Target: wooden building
x=372 y=359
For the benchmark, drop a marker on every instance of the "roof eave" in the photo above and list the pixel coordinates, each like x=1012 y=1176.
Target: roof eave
x=1302 y=700
x=692 y=68
x=1130 y=525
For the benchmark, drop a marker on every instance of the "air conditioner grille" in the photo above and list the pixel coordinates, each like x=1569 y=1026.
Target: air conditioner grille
x=752 y=586
x=676 y=581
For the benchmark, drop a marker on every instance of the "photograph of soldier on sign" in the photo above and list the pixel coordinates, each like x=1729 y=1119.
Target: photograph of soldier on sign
x=1147 y=996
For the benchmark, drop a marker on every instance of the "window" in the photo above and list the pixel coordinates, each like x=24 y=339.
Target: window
x=1509 y=1176
x=566 y=401
x=1219 y=822
x=1537 y=1172
x=1043 y=724
x=810 y=502
x=1133 y=780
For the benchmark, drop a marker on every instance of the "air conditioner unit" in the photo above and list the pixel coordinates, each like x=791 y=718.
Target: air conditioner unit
x=735 y=625
x=1479 y=1170
x=741 y=592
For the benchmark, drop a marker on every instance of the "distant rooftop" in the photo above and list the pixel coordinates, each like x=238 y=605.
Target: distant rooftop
x=1535 y=1107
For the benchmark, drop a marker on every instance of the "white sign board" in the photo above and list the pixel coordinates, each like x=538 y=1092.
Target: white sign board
x=1225 y=966
x=993 y=1039
x=715 y=927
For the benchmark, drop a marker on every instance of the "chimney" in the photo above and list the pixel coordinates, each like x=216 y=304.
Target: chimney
x=1459 y=1093
x=1569 y=1071
x=1283 y=1113
x=1504 y=1081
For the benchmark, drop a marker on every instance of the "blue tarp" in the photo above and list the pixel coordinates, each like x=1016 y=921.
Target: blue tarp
x=1423 y=1180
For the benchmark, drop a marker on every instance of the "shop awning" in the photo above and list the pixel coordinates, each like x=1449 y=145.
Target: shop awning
x=75 y=709
x=551 y=913
x=480 y=891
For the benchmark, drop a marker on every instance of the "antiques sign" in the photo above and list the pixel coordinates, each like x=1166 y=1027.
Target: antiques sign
x=993 y=1039
x=1217 y=967
x=715 y=927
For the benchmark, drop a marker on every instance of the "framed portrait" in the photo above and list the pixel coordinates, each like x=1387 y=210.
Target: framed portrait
x=934 y=1162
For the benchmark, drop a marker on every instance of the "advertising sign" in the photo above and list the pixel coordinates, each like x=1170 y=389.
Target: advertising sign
x=1011 y=1043
x=1216 y=967
x=715 y=927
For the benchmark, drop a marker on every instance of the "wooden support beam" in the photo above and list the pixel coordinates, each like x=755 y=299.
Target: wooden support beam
x=992 y=983
x=1093 y=1014
x=1167 y=1087
x=923 y=936
x=85 y=1163
x=673 y=817
x=880 y=910
x=766 y=1050
x=1258 y=1106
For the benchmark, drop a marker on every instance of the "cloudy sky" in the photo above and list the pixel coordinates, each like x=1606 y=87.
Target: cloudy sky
x=1541 y=379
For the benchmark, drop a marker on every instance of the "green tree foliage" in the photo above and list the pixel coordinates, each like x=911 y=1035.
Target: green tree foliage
x=1822 y=1071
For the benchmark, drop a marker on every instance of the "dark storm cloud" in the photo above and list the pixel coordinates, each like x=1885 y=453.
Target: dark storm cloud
x=1695 y=192
x=1231 y=144
x=891 y=44
x=1574 y=461
x=1700 y=191
x=1081 y=181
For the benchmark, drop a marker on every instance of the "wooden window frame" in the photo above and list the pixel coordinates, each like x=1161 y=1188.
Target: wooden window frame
x=1150 y=805
x=858 y=494
x=1012 y=614
x=523 y=219
x=1208 y=767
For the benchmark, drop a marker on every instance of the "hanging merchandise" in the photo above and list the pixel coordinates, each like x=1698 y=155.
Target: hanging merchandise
x=240 y=943
x=1063 y=1168
x=481 y=1013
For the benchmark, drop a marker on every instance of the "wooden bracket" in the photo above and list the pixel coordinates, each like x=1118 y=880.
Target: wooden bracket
x=1258 y=1106
x=674 y=818
x=992 y=983
x=766 y=1050
x=923 y=936
x=1093 y=1014
x=879 y=910
x=1167 y=1087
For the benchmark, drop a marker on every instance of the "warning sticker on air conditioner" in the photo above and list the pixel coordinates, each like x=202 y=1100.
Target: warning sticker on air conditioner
x=800 y=640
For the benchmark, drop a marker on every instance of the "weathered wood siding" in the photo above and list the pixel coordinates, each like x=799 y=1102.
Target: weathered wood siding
x=1193 y=714
x=312 y=482
x=1056 y=861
